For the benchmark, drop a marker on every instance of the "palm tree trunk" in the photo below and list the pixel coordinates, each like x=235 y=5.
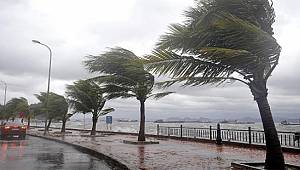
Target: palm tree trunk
x=274 y=155
x=49 y=123
x=63 y=127
x=28 y=122
x=95 y=119
x=141 y=136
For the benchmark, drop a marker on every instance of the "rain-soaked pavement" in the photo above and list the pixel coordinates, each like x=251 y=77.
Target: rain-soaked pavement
x=40 y=154
x=169 y=154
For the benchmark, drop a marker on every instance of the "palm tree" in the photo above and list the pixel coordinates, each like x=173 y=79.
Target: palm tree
x=88 y=97
x=16 y=106
x=125 y=78
x=64 y=118
x=33 y=111
x=225 y=40
x=1 y=112
x=57 y=106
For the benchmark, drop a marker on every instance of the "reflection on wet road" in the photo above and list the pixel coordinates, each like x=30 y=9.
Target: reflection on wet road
x=35 y=153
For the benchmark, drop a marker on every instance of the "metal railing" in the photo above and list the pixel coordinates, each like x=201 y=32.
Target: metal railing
x=249 y=136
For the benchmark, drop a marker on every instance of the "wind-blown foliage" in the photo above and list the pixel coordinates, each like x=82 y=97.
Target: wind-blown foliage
x=15 y=106
x=124 y=77
x=34 y=110
x=88 y=97
x=215 y=46
x=224 y=40
x=57 y=106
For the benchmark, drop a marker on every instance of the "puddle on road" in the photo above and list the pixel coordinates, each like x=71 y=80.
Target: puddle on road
x=36 y=153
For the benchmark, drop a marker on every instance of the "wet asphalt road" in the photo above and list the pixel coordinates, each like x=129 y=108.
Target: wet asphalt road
x=40 y=154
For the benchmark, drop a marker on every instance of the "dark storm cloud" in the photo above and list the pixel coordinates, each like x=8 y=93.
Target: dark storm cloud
x=88 y=27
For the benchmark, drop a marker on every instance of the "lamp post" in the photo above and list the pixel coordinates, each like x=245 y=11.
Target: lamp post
x=5 y=89
x=49 y=74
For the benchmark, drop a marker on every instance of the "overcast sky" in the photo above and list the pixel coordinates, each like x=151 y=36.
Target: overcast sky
x=76 y=28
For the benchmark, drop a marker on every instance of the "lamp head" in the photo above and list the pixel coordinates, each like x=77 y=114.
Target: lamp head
x=36 y=41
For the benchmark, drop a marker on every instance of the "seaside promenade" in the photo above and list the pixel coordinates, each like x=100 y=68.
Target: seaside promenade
x=168 y=154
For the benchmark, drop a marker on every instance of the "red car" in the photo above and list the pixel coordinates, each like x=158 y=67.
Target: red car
x=12 y=130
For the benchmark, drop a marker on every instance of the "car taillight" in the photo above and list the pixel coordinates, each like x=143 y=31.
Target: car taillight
x=6 y=127
x=23 y=127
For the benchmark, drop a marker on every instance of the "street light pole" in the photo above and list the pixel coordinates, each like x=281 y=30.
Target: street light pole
x=49 y=75
x=5 y=89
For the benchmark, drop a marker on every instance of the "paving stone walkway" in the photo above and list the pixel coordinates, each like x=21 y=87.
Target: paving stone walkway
x=168 y=154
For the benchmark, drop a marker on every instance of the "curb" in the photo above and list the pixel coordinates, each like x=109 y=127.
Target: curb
x=257 y=166
x=114 y=164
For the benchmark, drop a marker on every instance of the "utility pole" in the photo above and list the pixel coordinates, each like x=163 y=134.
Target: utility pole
x=49 y=75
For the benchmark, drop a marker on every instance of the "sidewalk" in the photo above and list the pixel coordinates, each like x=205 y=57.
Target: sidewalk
x=168 y=154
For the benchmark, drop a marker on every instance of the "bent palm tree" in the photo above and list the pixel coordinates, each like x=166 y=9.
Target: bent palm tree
x=221 y=40
x=17 y=105
x=88 y=97
x=33 y=111
x=57 y=106
x=1 y=112
x=125 y=78
x=64 y=118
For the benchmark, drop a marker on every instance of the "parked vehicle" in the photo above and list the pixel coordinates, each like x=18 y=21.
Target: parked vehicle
x=13 y=130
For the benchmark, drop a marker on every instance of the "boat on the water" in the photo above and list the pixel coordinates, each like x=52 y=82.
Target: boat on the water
x=170 y=121
x=289 y=123
x=180 y=121
x=126 y=120
x=235 y=122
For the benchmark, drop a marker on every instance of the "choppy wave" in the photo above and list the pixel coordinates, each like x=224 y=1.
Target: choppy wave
x=151 y=127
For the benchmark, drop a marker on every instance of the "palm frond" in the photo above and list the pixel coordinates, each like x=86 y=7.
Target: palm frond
x=218 y=40
x=257 y=12
x=157 y=96
x=168 y=83
x=79 y=107
x=119 y=95
x=238 y=60
x=111 y=88
x=124 y=74
x=114 y=61
x=78 y=94
x=177 y=39
x=165 y=62
x=196 y=81
x=85 y=96
x=16 y=105
x=57 y=105
x=106 y=111
x=114 y=79
x=224 y=30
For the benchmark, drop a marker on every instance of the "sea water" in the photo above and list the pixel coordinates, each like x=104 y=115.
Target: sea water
x=151 y=127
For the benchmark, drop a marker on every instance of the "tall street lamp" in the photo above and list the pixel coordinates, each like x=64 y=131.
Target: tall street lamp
x=49 y=74
x=5 y=89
